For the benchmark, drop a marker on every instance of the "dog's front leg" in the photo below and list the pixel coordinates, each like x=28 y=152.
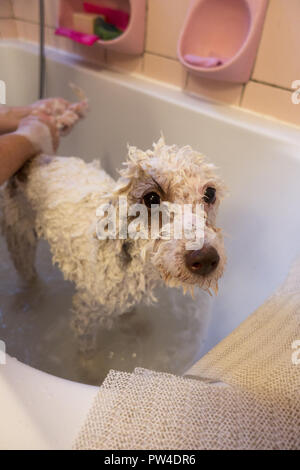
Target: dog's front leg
x=18 y=227
x=87 y=317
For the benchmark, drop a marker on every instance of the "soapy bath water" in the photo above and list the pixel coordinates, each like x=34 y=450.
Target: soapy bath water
x=34 y=323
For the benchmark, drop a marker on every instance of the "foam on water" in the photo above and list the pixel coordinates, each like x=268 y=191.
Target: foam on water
x=34 y=323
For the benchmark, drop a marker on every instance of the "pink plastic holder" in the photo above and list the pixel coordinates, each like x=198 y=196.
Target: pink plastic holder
x=131 y=20
x=219 y=38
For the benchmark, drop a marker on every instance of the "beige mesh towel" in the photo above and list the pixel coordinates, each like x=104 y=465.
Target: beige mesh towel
x=244 y=394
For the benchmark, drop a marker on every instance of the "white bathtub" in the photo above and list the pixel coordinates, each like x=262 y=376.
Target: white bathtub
x=259 y=160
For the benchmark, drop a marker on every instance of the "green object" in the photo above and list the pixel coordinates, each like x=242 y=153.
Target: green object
x=106 y=31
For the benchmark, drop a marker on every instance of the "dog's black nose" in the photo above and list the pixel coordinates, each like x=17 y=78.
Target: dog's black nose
x=202 y=261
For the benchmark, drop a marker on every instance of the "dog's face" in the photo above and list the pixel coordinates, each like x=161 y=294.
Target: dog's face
x=171 y=175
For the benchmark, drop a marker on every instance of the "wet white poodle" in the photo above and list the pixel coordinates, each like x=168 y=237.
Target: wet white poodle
x=57 y=198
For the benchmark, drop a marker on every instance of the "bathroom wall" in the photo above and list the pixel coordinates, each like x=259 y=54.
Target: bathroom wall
x=8 y=28
x=268 y=92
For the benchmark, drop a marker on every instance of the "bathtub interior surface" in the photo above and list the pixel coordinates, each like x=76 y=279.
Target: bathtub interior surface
x=258 y=160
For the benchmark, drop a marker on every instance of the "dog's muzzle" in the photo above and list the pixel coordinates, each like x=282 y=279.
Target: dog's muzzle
x=202 y=262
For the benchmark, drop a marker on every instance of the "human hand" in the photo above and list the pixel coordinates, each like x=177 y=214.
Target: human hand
x=65 y=114
x=40 y=129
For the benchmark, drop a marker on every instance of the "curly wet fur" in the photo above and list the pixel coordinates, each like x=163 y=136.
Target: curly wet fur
x=56 y=198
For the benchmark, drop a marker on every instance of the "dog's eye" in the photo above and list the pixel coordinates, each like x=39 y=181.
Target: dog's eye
x=210 y=195
x=151 y=198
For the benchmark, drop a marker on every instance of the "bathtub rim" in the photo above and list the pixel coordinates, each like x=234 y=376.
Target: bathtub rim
x=230 y=114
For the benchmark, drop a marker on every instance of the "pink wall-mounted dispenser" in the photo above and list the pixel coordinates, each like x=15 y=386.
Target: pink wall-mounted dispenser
x=219 y=38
